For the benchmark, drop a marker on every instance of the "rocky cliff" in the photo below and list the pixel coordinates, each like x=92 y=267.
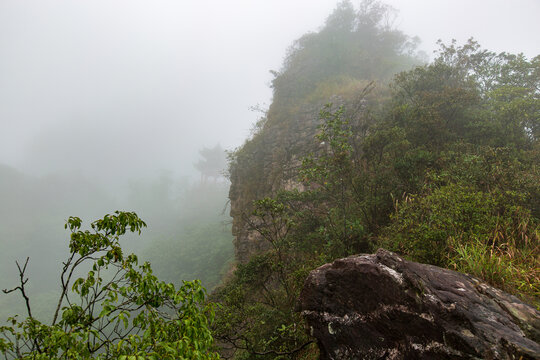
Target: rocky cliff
x=266 y=164
x=353 y=50
x=383 y=307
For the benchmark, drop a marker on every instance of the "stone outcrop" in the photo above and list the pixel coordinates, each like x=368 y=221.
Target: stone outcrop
x=266 y=164
x=270 y=160
x=383 y=307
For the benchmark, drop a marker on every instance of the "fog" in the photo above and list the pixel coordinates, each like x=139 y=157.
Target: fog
x=122 y=89
x=98 y=97
x=127 y=88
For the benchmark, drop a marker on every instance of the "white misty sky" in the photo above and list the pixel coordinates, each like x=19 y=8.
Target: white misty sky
x=124 y=88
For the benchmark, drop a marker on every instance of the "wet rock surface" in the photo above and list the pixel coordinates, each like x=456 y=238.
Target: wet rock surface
x=383 y=307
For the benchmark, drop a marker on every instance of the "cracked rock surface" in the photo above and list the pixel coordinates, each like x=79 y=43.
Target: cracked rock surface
x=383 y=307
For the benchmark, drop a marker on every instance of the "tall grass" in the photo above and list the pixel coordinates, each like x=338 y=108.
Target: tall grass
x=509 y=259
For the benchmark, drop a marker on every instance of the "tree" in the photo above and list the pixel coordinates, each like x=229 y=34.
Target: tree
x=470 y=94
x=354 y=43
x=120 y=310
x=333 y=176
x=214 y=163
x=256 y=318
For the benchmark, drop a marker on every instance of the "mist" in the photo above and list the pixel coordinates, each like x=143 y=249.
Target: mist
x=131 y=88
x=105 y=105
x=123 y=89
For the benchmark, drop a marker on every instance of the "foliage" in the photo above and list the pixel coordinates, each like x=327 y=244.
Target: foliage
x=30 y=211
x=189 y=237
x=331 y=174
x=470 y=94
x=118 y=310
x=257 y=316
x=473 y=202
x=428 y=227
x=446 y=171
x=356 y=43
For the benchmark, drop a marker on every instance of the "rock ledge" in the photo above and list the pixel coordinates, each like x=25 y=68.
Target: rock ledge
x=383 y=307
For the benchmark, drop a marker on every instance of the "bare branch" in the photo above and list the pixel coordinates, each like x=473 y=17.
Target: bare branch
x=23 y=282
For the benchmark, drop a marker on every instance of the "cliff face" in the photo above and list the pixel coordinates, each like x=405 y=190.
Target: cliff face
x=271 y=160
x=383 y=307
x=266 y=164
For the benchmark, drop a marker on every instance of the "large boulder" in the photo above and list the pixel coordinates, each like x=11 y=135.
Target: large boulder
x=383 y=307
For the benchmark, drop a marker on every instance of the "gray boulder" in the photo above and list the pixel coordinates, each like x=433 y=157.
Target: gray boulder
x=383 y=307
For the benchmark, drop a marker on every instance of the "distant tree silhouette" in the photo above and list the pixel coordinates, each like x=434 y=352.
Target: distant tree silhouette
x=212 y=164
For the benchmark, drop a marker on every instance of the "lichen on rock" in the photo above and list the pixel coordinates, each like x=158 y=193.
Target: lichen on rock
x=381 y=306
